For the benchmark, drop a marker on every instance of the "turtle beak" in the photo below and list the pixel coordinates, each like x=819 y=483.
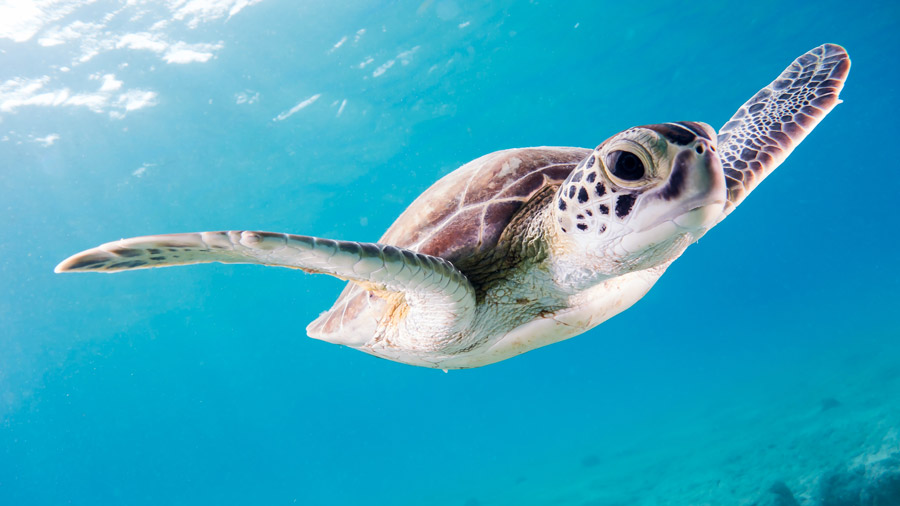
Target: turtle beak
x=694 y=194
x=688 y=204
x=705 y=200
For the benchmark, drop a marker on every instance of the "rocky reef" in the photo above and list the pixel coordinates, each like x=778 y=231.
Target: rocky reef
x=868 y=480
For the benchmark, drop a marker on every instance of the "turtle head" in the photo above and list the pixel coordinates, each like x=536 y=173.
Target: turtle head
x=640 y=198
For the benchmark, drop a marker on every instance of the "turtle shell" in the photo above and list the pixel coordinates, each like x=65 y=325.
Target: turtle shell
x=461 y=215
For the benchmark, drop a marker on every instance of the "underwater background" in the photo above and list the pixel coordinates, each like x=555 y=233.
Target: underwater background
x=763 y=368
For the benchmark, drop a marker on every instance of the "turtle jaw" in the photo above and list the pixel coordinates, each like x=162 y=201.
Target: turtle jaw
x=700 y=217
x=667 y=239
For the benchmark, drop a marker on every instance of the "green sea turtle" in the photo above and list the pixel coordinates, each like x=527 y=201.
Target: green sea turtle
x=526 y=247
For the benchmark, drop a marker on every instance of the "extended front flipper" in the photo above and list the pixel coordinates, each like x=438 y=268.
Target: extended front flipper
x=429 y=293
x=770 y=125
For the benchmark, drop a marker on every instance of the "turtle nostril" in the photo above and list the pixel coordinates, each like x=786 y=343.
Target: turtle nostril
x=699 y=149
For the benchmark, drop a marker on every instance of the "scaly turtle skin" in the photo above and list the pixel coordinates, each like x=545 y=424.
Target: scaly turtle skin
x=526 y=247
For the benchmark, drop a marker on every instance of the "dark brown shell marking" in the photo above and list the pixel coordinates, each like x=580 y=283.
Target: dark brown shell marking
x=464 y=213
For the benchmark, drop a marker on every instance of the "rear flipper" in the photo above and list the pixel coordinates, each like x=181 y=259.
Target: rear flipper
x=437 y=293
x=764 y=131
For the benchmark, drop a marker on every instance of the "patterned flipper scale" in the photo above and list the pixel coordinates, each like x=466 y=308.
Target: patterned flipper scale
x=770 y=125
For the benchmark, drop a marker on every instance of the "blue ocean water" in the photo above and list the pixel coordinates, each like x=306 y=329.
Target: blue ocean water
x=764 y=368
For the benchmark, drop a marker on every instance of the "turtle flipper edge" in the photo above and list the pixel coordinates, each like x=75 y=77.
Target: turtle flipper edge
x=764 y=131
x=426 y=281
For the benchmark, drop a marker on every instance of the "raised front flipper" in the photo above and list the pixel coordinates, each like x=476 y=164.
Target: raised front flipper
x=770 y=125
x=437 y=294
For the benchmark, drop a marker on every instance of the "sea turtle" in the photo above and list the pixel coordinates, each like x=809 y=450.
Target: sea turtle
x=525 y=247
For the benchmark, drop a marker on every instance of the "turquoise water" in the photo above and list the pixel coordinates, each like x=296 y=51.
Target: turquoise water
x=764 y=368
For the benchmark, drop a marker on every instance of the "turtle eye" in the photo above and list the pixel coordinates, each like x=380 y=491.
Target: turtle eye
x=625 y=165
